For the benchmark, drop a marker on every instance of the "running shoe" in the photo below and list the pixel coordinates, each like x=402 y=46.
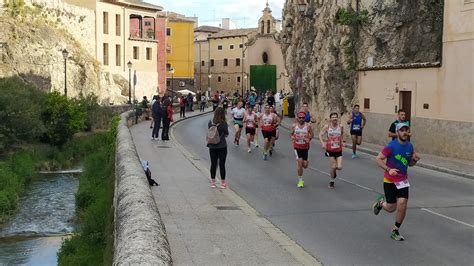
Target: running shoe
x=326 y=154
x=271 y=152
x=396 y=235
x=213 y=184
x=331 y=185
x=256 y=145
x=265 y=157
x=223 y=184
x=249 y=150
x=378 y=205
x=300 y=184
x=354 y=156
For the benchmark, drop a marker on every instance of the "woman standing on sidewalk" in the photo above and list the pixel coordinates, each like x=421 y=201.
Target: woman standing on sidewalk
x=167 y=119
x=218 y=152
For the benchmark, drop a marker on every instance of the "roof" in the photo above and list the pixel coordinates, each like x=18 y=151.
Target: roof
x=137 y=3
x=233 y=33
x=402 y=66
x=211 y=29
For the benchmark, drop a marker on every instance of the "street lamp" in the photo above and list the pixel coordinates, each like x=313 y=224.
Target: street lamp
x=245 y=82
x=129 y=65
x=209 y=84
x=171 y=71
x=65 y=54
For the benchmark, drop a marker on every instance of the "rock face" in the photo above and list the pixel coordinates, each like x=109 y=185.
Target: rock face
x=322 y=54
x=31 y=47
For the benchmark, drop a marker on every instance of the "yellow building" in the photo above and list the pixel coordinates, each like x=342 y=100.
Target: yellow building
x=180 y=52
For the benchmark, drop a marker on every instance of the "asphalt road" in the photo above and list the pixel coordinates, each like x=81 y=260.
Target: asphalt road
x=338 y=226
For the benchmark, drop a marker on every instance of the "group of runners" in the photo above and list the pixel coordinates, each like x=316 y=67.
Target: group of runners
x=394 y=158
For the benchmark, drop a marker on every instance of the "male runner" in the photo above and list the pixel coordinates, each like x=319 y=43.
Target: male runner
x=395 y=158
x=402 y=116
x=308 y=116
x=277 y=131
x=250 y=121
x=334 y=144
x=237 y=114
x=301 y=135
x=255 y=139
x=357 y=121
x=268 y=120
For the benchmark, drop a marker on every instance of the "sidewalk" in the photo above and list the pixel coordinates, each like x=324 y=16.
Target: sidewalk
x=448 y=165
x=209 y=226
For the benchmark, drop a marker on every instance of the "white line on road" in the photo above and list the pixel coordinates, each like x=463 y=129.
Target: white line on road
x=447 y=217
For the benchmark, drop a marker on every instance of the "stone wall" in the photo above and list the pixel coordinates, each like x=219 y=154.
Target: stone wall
x=140 y=235
x=432 y=136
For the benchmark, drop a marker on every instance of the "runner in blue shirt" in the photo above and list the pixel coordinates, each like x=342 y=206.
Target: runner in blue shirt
x=357 y=121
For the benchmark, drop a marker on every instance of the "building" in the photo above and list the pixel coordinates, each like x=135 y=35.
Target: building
x=180 y=52
x=202 y=55
x=437 y=96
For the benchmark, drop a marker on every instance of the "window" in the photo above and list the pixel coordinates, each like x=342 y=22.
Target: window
x=219 y=47
x=226 y=61
x=237 y=62
x=136 y=53
x=219 y=79
x=203 y=63
x=168 y=67
x=106 y=54
x=117 y=25
x=105 y=22
x=168 y=83
x=148 y=53
x=366 y=103
x=147 y=23
x=168 y=31
x=212 y=62
x=241 y=45
x=268 y=26
x=117 y=55
x=238 y=79
x=231 y=47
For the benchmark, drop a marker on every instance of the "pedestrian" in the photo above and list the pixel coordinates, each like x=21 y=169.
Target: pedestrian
x=260 y=103
x=250 y=121
x=402 y=115
x=334 y=133
x=357 y=122
x=238 y=114
x=225 y=104
x=394 y=159
x=190 y=101
x=301 y=135
x=270 y=98
x=145 y=108
x=203 y=103
x=157 y=116
x=153 y=99
x=167 y=119
x=182 y=107
x=218 y=152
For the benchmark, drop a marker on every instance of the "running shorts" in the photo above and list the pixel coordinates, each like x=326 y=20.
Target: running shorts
x=250 y=130
x=239 y=122
x=356 y=133
x=302 y=154
x=335 y=154
x=268 y=134
x=392 y=193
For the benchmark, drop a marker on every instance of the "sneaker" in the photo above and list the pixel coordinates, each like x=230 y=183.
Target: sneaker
x=326 y=154
x=331 y=185
x=255 y=144
x=213 y=184
x=249 y=150
x=300 y=184
x=354 y=156
x=396 y=235
x=224 y=184
x=271 y=152
x=265 y=157
x=377 y=205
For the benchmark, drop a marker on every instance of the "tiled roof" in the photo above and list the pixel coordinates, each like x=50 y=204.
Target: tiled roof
x=402 y=66
x=208 y=29
x=233 y=33
x=138 y=3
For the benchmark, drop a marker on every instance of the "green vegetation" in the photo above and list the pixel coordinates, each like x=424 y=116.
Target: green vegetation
x=93 y=243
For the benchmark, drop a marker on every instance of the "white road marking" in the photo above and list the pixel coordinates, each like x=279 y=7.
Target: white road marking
x=447 y=217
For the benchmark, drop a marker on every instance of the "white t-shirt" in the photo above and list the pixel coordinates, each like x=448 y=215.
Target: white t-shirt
x=238 y=113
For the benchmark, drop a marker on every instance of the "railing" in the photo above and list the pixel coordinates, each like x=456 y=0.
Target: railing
x=140 y=34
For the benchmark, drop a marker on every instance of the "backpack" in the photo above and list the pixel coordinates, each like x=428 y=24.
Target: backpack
x=213 y=135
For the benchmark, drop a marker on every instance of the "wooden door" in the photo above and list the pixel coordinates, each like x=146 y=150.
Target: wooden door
x=405 y=103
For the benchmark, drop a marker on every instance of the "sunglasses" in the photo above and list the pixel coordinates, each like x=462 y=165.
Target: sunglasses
x=301 y=117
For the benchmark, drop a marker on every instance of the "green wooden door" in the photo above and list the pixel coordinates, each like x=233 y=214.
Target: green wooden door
x=263 y=78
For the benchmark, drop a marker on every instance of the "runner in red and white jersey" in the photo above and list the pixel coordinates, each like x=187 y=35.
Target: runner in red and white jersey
x=334 y=133
x=301 y=135
x=250 y=123
x=268 y=120
x=277 y=131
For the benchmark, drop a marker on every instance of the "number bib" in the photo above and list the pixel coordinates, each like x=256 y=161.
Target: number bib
x=402 y=184
x=356 y=127
x=335 y=145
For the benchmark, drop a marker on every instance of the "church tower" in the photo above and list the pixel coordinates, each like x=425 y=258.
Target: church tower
x=267 y=24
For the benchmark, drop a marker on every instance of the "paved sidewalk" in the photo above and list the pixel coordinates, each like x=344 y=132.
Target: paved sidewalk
x=209 y=226
x=453 y=166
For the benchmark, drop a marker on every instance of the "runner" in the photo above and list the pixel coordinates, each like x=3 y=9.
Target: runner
x=334 y=144
x=357 y=121
x=301 y=135
x=225 y=104
x=250 y=121
x=277 y=131
x=308 y=116
x=402 y=115
x=237 y=114
x=255 y=139
x=268 y=120
x=395 y=159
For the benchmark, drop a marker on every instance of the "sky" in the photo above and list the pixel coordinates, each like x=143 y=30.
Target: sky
x=244 y=13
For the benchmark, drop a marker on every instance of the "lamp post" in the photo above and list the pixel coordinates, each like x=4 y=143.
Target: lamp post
x=245 y=82
x=65 y=54
x=172 y=83
x=129 y=65
x=209 y=84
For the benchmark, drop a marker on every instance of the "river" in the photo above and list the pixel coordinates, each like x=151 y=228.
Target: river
x=44 y=218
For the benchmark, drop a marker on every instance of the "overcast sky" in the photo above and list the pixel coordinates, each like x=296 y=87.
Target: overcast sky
x=244 y=13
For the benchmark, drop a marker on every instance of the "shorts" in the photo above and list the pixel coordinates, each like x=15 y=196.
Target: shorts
x=392 y=193
x=356 y=133
x=268 y=134
x=250 y=130
x=239 y=122
x=335 y=154
x=302 y=154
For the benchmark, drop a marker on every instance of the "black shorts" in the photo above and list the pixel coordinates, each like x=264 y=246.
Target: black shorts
x=250 y=130
x=269 y=134
x=335 y=154
x=356 y=133
x=392 y=193
x=302 y=154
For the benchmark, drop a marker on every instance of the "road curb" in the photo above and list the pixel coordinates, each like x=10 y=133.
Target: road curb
x=264 y=224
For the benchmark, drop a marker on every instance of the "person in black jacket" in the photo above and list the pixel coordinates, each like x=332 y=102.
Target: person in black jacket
x=218 y=152
x=157 y=114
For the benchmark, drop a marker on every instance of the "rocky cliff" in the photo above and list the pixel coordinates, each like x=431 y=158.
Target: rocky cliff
x=32 y=41
x=325 y=45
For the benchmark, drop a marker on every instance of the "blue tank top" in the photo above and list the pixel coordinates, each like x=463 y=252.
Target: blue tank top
x=356 y=121
x=307 y=117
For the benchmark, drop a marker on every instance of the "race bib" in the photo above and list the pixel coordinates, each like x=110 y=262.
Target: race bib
x=335 y=145
x=300 y=141
x=402 y=184
x=356 y=127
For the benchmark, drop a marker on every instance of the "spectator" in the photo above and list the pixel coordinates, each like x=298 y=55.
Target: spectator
x=167 y=119
x=182 y=107
x=218 y=152
x=157 y=115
